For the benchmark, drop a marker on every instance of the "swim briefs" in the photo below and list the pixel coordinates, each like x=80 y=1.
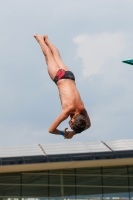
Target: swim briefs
x=62 y=74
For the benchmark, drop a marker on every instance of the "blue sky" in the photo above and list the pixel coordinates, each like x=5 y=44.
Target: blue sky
x=93 y=37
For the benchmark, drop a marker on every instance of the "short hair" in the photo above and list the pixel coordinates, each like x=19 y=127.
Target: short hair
x=79 y=124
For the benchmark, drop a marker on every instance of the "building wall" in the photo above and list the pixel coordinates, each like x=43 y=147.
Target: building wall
x=81 y=183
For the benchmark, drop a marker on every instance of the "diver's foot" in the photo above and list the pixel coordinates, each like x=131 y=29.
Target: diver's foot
x=40 y=38
x=45 y=37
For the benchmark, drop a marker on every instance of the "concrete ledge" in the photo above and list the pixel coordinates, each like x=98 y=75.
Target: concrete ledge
x=66 y=165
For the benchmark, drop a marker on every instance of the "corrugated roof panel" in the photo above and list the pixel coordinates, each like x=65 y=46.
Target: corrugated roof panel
x=96 y=147
x=129 y=142
x=64 y=148
x=119 y=145
x=71 y=148
x=16 y=151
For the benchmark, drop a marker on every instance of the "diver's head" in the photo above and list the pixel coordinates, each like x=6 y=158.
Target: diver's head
x=78 y=123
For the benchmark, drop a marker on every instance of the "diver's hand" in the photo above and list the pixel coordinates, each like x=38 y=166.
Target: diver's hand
x=68 y=134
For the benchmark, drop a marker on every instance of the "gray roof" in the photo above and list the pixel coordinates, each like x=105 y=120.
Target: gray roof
x=74 y=148
x=66 y=151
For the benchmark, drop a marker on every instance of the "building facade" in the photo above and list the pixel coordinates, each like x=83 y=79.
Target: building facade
x=100 y=170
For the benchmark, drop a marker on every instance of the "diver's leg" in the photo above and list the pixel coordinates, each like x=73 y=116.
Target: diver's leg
x=51 y=63
x=56 y=54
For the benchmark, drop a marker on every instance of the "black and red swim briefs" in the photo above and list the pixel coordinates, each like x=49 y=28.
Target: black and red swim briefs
x=62 y=74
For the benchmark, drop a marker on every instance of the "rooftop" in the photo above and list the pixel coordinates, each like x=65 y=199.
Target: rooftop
x=66 y=155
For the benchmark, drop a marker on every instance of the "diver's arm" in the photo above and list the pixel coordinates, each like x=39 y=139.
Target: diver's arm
x=53 y=128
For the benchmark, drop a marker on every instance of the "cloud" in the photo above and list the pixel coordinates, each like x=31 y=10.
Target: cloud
x=107 y=92
x=95 y=50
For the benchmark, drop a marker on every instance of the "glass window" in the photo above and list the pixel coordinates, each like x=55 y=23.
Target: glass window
x=36 y=184
x=69 y=192
x=54 y=171
x=34 y=178
x=115 y=176
x=115 y=181
x=114 y=170
x=130 y=171
x=89 y=180
x=10 y=178
x=68 y=178
x=55 y=191
x=55 y=179
x=88 y=193
x=64 y=177
x=88 y=176
x=36 y=198
x=10 y=190
x=89 y=171
x=35 y=191
x=68 y=171
x=12 y=198
x=115 y=193
x=131 y=193
x=70 y=184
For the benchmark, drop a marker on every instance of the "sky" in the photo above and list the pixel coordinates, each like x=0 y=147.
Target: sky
x=92 y=37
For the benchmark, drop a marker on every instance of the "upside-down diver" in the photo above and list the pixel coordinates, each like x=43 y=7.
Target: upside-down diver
x=72 y=105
